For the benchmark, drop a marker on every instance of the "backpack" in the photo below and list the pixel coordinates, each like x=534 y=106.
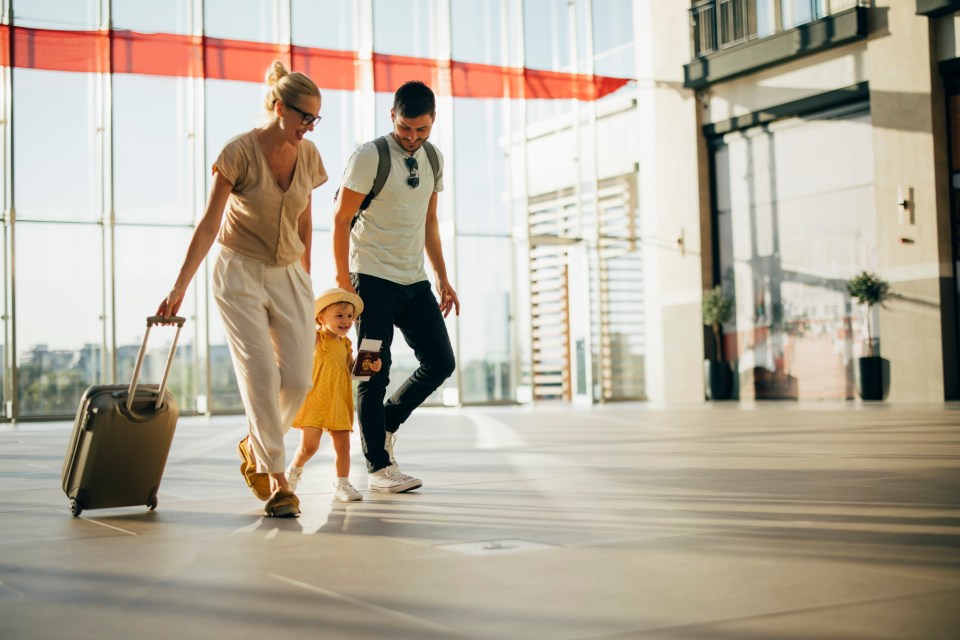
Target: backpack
x=383 y=171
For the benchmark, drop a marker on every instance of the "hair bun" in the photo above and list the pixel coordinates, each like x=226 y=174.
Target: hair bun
x=275 y=72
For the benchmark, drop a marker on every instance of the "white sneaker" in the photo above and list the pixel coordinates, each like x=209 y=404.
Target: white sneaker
x=293 y=477
x=344 y=491
x=388 y=444
x=392 y=480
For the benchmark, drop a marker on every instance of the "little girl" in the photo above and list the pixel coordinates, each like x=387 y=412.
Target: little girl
x=329 y=404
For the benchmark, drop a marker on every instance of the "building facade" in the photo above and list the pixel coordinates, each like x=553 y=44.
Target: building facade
x=827 y=150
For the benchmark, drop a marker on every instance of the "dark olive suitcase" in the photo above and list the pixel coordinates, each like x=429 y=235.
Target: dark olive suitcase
x=121 y=438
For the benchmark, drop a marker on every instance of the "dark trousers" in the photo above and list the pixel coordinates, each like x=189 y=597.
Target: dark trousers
x=414 y=310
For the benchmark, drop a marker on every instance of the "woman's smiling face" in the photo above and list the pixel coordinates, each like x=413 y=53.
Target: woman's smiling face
x=294 y=115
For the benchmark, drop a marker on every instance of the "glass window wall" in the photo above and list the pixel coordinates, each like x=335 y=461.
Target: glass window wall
x=485 y=288
x=145 y=259
x=110 y=271
x=80 y=15
x=476 y=32
x=479 y=168
x=547 y=46
x=60 y=331
x=57 y=156
x=170 y=16
x=325 y=24
x=251 y=20
x=406 y=28
x=152 y=150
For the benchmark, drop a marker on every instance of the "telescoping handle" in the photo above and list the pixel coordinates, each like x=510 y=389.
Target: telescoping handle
x=152 y=320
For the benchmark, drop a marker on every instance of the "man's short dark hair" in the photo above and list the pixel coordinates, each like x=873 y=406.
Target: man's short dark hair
x=414 y=99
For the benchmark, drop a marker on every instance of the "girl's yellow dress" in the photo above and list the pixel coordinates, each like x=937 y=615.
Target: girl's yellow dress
x=329 y=404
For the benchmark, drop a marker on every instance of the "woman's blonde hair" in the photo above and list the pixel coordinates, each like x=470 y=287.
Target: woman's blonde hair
x=286 y=87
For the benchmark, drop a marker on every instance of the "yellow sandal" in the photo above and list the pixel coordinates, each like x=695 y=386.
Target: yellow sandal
x=259 y=483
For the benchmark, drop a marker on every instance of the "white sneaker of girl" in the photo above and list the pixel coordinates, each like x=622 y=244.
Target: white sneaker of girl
x=344 y=491
x=293 y=477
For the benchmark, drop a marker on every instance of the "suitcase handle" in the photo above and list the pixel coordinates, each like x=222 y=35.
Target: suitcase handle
x=151 y=321
x=177 y=320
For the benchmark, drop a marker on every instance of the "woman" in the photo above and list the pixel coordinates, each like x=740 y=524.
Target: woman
x=263 y=181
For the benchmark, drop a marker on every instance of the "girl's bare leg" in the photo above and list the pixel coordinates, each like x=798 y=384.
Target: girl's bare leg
x=341 y=445
x=309 y=444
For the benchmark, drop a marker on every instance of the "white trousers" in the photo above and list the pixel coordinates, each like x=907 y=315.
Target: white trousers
x=267 y=312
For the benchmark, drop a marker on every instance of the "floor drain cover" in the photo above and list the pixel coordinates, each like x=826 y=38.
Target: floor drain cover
x=485 y=547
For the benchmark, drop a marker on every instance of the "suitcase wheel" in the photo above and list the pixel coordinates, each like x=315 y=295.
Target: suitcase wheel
x=152 y=504
x=75 y=507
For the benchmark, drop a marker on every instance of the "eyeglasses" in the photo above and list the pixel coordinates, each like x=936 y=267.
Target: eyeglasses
x=413 y=180
x=305 y=118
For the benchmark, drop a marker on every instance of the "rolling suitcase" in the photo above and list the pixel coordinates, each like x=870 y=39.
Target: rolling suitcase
x=121 y=438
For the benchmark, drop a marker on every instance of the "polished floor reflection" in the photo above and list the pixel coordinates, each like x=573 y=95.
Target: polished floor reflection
x=613 y=522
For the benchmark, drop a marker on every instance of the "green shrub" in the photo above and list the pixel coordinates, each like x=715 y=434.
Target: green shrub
x=869 y=289
x=717 y=309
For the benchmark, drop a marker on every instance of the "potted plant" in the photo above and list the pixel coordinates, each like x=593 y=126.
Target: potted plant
x=718 y=375
x=870 y=290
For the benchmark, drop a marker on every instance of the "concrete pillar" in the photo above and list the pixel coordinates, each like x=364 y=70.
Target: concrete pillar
x=669 y=204
x=909 y=140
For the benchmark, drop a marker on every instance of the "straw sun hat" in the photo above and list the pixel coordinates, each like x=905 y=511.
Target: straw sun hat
x=337 y=294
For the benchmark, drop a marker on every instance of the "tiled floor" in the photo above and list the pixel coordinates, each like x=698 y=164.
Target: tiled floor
x=784 y=520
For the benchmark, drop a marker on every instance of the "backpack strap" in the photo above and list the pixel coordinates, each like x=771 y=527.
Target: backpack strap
x=434 y=160
x=383 y=171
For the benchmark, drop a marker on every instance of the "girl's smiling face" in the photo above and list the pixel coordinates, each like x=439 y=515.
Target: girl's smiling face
x=336 y=319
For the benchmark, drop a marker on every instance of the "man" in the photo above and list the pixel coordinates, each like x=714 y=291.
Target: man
x=381 y=259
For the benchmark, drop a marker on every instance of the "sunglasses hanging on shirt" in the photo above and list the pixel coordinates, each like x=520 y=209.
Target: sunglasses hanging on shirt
x=413 y=180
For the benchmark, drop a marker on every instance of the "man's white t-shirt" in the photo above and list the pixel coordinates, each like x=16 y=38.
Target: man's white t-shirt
x=388 y=239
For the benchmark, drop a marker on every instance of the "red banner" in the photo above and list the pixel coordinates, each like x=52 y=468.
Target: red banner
x=166 y=54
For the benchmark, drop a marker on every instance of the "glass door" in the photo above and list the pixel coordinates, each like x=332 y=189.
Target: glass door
x=794 y=224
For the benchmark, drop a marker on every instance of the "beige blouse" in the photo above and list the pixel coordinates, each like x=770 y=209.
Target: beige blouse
x=260 y=221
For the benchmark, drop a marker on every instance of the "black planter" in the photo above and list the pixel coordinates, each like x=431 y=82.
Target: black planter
x=873 y=378
x=718 y=379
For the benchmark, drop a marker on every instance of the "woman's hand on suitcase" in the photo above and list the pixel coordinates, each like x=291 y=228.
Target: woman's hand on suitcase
x=171 y=304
